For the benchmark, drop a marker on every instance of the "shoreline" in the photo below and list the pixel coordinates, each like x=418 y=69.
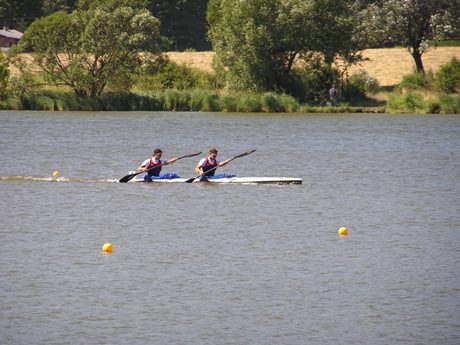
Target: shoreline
x=410 y=102
x=175 y=100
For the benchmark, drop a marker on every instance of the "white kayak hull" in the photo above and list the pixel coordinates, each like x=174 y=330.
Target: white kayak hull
x=227 y=180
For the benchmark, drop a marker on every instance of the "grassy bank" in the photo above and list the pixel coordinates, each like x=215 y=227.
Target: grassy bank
x=172 y=100
x=200 y=100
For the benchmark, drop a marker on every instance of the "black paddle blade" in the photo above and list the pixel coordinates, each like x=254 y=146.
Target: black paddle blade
x=127 y=178
x=191 y=155
x=244 y=154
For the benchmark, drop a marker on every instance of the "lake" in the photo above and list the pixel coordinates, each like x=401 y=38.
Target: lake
x=230 y=264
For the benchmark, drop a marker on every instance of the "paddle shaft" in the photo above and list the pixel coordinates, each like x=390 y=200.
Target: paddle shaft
x=190 y=180
x=127 y=178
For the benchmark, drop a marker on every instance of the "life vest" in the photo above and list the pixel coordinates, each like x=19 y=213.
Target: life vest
x=156 y=168
x=207 y=166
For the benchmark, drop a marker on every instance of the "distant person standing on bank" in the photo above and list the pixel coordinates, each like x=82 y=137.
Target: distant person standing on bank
x=333 y=94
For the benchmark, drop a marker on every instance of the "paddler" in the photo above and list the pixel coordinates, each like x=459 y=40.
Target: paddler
x=208 y=165
x=154 y=162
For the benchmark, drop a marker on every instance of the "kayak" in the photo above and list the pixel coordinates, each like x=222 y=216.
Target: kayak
x=228 y=180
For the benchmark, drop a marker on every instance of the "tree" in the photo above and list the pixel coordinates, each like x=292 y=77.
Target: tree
x=18 y=14
x=183 y=22
x=4 y=74
x=86 y=49
x=259 y=41
x=411 y=23
x=51 y=6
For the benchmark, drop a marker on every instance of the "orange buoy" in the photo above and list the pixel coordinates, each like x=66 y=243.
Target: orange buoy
x=107 y=248
x=343 y=231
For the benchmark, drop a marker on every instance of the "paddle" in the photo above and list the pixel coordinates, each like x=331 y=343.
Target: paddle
x=190 y=180
x=130 y=176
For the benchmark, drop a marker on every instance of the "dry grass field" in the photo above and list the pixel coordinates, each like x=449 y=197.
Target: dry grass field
x=388 y=66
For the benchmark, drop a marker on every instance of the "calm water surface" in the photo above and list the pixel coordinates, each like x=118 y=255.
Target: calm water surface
x=233 y=264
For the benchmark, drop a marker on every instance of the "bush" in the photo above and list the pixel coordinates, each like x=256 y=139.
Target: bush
x=317 y=79
x=165 y=74
x=210 y=103
x=10 y=102
x=4 y=75
x=66 y=101
x=288 y=103
x=448 y=77
x=176 y=100
x=434 y=107
x=411 y=102
x=228 y=104
x=121 y=101
x=358 y=85
x=416 y=81
x=270 y=103
x=450 y=104
x=196 y=100
x=33 y=101
x=250 y=103
x=414 y=101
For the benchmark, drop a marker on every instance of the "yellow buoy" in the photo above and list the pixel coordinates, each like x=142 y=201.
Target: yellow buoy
x=56 y=173
x=107 y=248
x=343 y=231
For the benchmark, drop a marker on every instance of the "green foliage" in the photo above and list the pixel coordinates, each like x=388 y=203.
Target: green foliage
x=85 y=50
x=448 y=77
x=434 y=107
x=450 y=104
x=176 y=100
x=317 y=79
x=228 y=104
x=447 y=43
x=248 y=103
x=33 y=101
x=416 y=81
x=4 y=75
x=257 y=42
x=18 y=14
x=183 y=22
x=10 y=103
x=366 y=82
x=410 y=23
x=165 y=74
x=201 y=100
x=414 y=101
x=274 y=103
x=288 y=103
x=270 y=103
x=411 y=102
x=358 y=86
x=197 y=100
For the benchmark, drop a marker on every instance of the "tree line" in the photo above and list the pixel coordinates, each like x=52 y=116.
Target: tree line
x=297 y=47
x=183 y=22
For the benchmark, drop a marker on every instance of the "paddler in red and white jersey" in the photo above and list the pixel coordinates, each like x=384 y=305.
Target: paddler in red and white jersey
x=208 y=165
x=154 y=162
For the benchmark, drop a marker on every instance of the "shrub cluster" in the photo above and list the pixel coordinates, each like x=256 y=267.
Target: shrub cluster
x=414 y=102
x=445 y=80
x=442 y=87
x=165 y=74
